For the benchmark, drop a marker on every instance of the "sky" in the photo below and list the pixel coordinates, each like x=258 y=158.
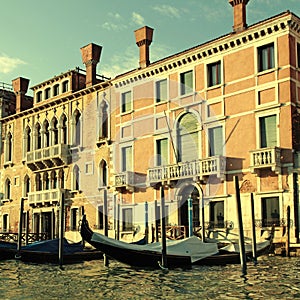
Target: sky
x=41 y=39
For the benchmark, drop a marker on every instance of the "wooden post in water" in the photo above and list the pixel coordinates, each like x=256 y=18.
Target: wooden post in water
x=287 y=244
x=52 y=223
x=240 y=224
x=254 y=255
x=118 y=221
x=27 y=227
x=146 y=222
x=105 y=224
x=20 y=225
x=156 y=219
x=61 y=229
x=163 y=229
x=190 y=215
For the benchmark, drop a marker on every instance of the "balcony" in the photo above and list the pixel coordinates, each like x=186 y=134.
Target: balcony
x=197 y=169
x=129 y=180
x=45 y=198
x=52 y=156
x=265 y=158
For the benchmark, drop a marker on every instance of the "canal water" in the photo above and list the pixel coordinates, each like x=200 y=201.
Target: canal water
x=271 y=278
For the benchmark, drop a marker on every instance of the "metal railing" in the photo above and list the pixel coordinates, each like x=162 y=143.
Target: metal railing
x=31 y=237
x=272 y=221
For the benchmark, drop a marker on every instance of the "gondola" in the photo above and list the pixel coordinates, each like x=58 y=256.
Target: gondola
x=47 y=252
x=181 y=253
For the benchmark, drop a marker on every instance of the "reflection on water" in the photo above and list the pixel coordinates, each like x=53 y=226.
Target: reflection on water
x=273 y=278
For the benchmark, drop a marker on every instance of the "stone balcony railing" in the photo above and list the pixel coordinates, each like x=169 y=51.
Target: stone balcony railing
x=265 y=158
x=200 y=168
x=130 y=180
x=55 y=155
x=47 y=197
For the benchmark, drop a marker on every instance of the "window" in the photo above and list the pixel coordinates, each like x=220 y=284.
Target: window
x=298 y=55
x=217 y=214
x=187 y=138
x=162 y=152
x=215 y=136
x=268 y=132
x=77 y=128
x=39 y=96
x=38 y=135
x=266 y=57
x=7 y=189
x=127 y=219
x=100 y=224
x=26 y=186
x=270 y=211
x=5 y=223
x=54 y=131
x=27 y=142
x=61 y=176
x=214 y=73
x=186 y=83
x=46 y=181
x=102 y=173
x=74 y=214
x=161 y=89
x=76 y=178
x=127 y=159
x=103 y=120
x=65 y=86
x=47 y=93
x=38 y=182
x=126 y=102
x=54 y=181
x=56 y=90
x=9 y=147
x=64 y=129
x=46 y=134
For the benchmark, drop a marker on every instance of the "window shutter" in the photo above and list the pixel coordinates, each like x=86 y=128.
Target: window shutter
x=268 y=132
x=127 y=159
x=216 y=141
x=161 y=90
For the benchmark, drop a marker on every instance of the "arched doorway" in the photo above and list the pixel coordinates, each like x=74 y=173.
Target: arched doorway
x=187 y=192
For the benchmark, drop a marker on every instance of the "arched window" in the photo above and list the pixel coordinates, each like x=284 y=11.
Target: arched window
x=9 y=147
x=7 y=189
x=61 y=176
x=46 y=134
x=187 y=138
x=54 y=126
x=38 y=182
x=46 y=181
x=64 y=129
x=77 y=128
x=102 y=173
x=26 y=186
x=54 y=182
x=27 y=143
x=103 y=120
x=76 y=178
x=38 y=136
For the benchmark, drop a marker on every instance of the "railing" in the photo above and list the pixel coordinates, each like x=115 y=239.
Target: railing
x=124 y=179
x=31 y=237
x=266 y=157
x=56 y=151
x=215 y=165
x=40 y=197
x=272 y=221
x=219 y=225
x=174 y=232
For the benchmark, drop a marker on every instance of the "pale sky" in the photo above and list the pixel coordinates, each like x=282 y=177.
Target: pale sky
x=41 y=39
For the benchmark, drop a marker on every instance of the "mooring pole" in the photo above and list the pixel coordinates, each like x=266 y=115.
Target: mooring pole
x=190 y=215
x=20 y=224
x=61 y=229
x=254 y=255
x=27 y=227
x=156 y=220
x=202 y=215
x=240 y=224
x=118 y=221
x=287 y=244
x=146 y=222
x=105 y=223
x=163 y=229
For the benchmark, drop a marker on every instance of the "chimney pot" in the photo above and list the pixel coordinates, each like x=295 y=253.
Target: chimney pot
x=239 y=14
x=90 y=57
x=20 y=86
x=143 y=38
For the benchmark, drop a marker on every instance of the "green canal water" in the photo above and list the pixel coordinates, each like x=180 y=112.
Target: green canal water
x=271 y=278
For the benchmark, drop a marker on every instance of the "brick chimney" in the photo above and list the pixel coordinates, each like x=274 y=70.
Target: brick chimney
x=20 y=86
x=90 y=57
x=239 y=14
x=143 y=38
